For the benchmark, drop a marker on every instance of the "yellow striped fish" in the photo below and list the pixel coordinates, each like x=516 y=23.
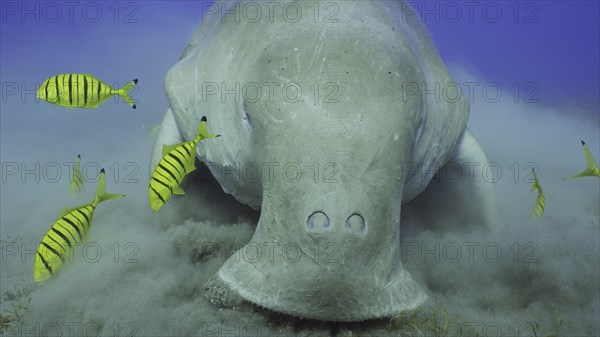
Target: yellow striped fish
x=177 y=161
x=72 y=228
x=592 y=168
x=81 y=91
x=538 y=210
x=154 y=131
x=76 y=184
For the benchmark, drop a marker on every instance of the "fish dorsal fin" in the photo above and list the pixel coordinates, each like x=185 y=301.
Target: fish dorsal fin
x=63 y=212
x=589 y=159
x=178 y=190
x=591 y=169
x=169 y=148
x=66 y=210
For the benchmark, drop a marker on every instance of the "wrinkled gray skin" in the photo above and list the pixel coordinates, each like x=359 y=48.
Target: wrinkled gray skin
x=366 y=144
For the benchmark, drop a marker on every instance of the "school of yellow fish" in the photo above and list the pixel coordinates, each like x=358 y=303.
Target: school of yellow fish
x=591 y=170
x=72 y=227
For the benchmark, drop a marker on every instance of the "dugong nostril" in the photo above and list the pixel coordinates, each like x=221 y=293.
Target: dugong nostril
x=317 y=222
x=356 y=224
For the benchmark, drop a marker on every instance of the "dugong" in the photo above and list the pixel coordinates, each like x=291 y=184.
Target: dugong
x=332 y=117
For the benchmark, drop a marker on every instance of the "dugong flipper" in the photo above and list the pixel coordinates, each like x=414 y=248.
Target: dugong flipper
x=461 y=194
x=330 y=110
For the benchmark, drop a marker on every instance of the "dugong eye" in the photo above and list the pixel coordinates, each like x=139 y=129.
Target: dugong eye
x=246 y=115
x=245 y=112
